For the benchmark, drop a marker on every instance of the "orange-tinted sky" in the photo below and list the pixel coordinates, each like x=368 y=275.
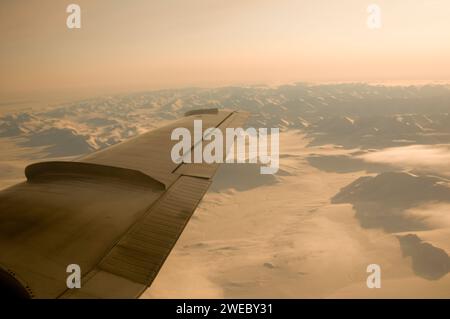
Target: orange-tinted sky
x=147 y=44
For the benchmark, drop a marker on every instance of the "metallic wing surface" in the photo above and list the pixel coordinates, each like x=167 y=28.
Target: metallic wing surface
x=117 y=213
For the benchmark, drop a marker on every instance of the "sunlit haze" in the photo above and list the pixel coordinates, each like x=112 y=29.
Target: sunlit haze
x=141 y=44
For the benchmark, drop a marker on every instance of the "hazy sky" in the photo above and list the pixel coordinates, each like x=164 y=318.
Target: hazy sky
x=147 y=44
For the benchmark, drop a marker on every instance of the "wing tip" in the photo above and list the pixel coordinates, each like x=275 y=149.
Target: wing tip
x=202 y=111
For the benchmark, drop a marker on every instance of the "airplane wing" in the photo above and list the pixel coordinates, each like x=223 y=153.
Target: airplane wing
x=117 y=213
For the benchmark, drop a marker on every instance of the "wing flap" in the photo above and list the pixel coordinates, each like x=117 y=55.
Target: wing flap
x=139 y=255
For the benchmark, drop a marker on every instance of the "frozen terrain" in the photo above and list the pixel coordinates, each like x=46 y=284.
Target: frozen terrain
x=364 y=179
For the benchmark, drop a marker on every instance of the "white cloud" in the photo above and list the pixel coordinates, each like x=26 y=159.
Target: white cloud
x=431 y=158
